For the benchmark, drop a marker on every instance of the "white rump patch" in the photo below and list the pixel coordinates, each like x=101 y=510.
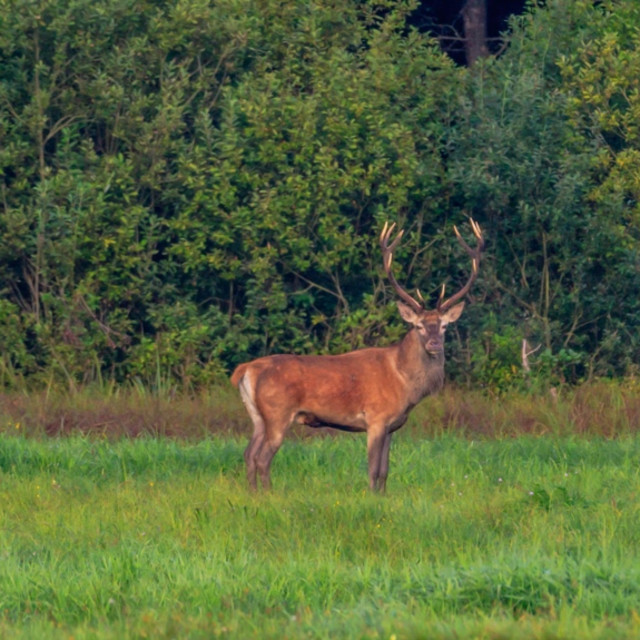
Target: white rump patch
x=247 y=393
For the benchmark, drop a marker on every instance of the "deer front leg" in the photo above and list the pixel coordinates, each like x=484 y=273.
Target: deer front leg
x=384 y=464
x=375 y=448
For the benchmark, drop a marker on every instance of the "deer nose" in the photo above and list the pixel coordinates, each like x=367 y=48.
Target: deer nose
x=434 y=345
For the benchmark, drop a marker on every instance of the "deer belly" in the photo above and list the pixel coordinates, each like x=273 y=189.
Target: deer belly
x=313 y=420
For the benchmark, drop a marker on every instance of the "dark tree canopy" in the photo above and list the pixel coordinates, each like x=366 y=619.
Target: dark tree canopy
x=467 y=29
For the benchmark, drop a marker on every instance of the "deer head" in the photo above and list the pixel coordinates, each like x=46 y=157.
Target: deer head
x=430 y=324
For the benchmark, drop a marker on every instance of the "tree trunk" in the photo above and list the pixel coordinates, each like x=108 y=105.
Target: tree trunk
x=474 y=15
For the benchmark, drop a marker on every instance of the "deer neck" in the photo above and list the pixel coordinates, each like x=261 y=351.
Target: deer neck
x=424 y=373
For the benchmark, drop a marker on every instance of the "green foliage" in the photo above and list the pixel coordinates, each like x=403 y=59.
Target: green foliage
x=495 y=357
x=563 y=265
x=187 y=184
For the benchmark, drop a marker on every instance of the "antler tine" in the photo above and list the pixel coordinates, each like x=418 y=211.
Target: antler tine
x=387 y=257
x=461 y=240
x=477 y=231
x=386 y=234
x=443 y=305
x=441 y=296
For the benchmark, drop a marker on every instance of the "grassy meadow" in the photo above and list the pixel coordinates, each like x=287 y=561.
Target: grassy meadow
x=119 y=528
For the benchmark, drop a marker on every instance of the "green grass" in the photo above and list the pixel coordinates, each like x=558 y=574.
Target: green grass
x=151 y=538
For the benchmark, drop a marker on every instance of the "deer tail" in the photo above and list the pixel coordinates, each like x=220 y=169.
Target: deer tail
x=238 y=374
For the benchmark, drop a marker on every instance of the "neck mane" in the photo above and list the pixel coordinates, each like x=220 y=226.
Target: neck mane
x=424 y=372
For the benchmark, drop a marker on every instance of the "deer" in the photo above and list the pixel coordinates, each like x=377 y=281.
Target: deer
x=369 y=390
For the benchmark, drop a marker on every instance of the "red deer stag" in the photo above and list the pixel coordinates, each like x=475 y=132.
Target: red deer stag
x=370 y=390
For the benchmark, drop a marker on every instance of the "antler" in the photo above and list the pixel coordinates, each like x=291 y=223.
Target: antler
x=443 y=305
x=387 y=256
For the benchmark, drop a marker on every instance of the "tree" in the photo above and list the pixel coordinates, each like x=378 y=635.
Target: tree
x=467 y=29
x=474 y=15
x=525 y=158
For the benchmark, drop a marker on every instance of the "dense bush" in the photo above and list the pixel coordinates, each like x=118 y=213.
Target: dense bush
x=187 y=184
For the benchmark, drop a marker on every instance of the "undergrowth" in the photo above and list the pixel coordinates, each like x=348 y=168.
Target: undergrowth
x=601 y=408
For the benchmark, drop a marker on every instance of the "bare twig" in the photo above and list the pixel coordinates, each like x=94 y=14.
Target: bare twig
x=526 y=352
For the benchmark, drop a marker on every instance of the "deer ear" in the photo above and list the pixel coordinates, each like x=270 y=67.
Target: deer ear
x=408 y=314
x=452 y=315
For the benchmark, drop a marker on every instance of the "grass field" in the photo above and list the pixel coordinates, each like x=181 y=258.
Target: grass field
x=156 y=537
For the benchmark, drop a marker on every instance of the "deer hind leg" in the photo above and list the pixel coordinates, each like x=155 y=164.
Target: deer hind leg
x=272 y=441
x=250 y=456
x=269 y=429
x=277 y=422
x=246 y=388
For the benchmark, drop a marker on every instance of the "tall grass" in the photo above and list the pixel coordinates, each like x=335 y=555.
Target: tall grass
x=607 y=409
x=131 y=538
